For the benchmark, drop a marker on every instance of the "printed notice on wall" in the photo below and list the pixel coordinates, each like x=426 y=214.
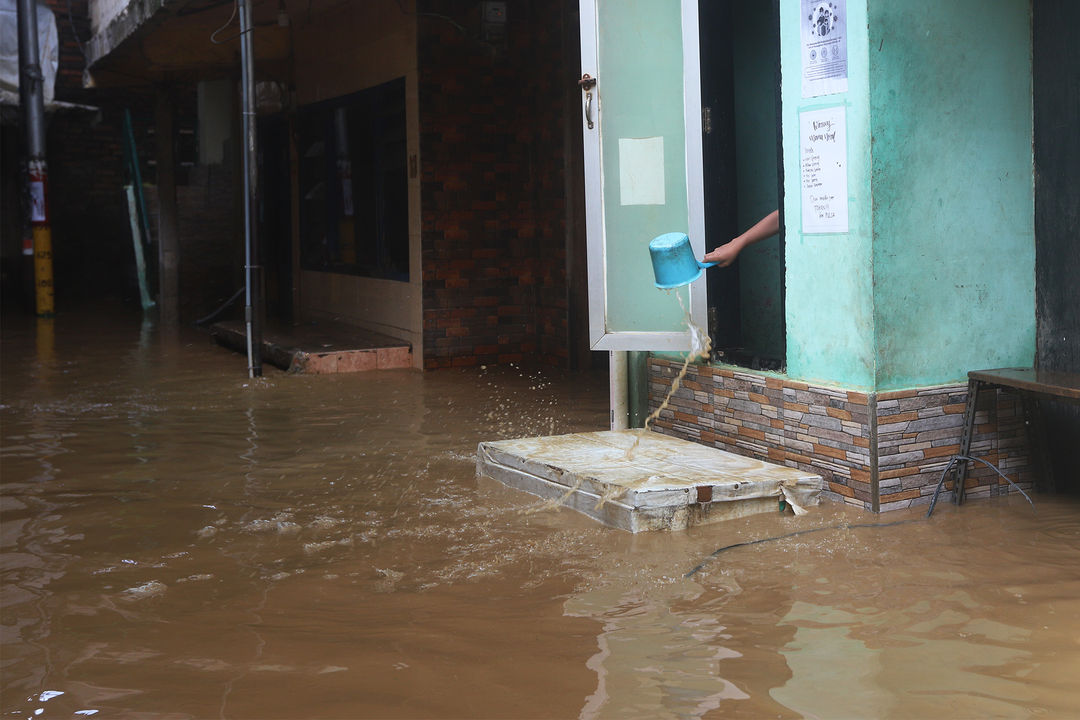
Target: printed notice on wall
x=824 y=47
x=823 y=159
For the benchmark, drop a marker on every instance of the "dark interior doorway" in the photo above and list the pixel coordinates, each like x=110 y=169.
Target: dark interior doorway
x=275 y=217
x=1056 y=101
x=743 y=180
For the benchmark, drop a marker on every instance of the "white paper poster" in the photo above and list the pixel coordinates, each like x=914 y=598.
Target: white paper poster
x=824 y=47
x=641 y=171
x=823 y=162
x=37 y=201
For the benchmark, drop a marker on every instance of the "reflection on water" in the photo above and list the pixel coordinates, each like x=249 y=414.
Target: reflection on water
x=652 y=661
x=179 y=541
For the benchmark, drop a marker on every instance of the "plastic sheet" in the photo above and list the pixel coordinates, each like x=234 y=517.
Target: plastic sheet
x=48 y=52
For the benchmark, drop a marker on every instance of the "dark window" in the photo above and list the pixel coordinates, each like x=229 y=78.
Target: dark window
x=353 y=189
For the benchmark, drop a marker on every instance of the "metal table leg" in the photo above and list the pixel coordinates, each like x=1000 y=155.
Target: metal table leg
x=965 y=440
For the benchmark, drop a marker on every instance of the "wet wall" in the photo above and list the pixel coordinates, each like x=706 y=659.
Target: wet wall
x=953 y=241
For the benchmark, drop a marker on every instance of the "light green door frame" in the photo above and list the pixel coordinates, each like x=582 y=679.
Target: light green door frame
x=643 y=172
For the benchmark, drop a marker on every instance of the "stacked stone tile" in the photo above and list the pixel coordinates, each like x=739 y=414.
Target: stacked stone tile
x=879 y=452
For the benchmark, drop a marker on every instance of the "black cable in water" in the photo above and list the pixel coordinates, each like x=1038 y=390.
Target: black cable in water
x=224 y=306
x=965 y=458
x=839 y=526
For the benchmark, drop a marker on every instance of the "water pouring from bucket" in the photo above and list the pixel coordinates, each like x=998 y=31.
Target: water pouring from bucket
x=674 y=264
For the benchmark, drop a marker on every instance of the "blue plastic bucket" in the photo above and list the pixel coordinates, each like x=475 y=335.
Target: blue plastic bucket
x=673 y=261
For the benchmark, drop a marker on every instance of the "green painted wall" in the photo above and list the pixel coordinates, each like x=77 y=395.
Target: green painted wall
x=754 y=49
x=937 y=273
x=830 y=278
x=953 y=208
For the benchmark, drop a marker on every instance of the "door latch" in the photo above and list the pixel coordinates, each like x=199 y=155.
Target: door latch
x=587 y=83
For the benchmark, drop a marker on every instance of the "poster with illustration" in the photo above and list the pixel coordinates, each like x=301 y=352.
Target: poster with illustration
x=824 y=47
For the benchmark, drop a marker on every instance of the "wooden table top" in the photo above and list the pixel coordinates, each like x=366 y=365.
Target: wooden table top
x=1047 y=382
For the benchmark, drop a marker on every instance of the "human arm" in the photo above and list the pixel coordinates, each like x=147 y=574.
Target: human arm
x=763 y=228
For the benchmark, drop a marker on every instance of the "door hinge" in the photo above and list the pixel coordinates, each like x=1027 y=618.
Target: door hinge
x=706 y=119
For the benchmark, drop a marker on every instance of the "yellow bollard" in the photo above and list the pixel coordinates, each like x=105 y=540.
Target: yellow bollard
x=43 y=271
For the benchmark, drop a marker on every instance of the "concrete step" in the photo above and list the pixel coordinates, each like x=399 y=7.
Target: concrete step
x=640 y=480
x=319 y=348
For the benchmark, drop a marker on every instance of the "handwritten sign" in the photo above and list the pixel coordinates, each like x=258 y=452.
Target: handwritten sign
x=823 y=161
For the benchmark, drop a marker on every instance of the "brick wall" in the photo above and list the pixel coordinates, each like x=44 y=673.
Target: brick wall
x=898 y=441
x=73 y=29
x=209 y=228
x=492 y=192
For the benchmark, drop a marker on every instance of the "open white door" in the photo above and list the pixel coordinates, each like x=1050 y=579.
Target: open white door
x=641 y=120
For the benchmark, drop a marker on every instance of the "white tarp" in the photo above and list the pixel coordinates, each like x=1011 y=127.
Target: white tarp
x=48 y=51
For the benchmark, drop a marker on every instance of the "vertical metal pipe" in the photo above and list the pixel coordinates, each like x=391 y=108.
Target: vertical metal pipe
x=251 y=194
x=617 y=388
x=32 y=104
x=31 y=80
x=637 y=384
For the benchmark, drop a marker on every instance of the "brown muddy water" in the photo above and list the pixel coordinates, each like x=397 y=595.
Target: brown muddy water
x=181 y=542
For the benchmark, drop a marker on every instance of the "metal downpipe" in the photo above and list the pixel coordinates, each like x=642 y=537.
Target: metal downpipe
x=251 y=190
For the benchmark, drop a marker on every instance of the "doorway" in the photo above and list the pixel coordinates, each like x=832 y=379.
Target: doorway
x=743 y=177
x=275 y=217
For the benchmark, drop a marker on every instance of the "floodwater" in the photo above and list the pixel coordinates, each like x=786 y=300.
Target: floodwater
x=181 y=542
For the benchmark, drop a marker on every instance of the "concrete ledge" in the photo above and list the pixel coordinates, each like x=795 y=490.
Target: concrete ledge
x=321 y=349
x=122 y=25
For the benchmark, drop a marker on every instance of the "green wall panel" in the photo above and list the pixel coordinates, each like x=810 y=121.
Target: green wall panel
x=954 y=254
x=641 y=97
x=830 y=278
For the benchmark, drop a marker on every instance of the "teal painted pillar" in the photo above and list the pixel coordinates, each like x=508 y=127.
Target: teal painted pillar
x=935 y=275
x=829 y=304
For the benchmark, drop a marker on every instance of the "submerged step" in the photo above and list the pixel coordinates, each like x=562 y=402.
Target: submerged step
x=319 y=349
x=640 y=480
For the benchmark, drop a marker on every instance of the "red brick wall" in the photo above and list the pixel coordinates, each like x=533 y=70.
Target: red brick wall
x=72 y=29
x=493 y=193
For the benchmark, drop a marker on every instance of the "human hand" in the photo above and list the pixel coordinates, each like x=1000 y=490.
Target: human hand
x=725 y=254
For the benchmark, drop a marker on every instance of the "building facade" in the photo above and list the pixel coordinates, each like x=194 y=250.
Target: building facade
x=443 y=171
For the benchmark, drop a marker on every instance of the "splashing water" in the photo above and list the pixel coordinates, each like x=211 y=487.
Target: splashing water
x=700 y=347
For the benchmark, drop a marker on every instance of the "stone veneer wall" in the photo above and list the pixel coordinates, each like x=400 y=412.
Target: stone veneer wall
x=878 y=452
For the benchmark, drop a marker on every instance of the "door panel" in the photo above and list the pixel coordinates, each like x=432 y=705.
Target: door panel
x=642 y=166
